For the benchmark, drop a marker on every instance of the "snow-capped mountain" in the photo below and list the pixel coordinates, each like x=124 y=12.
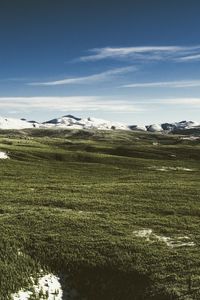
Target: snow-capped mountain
x=72 y=122
x=11 y=123
x=172 y=127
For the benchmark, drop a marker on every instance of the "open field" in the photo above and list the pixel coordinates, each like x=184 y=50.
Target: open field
x=114 y=214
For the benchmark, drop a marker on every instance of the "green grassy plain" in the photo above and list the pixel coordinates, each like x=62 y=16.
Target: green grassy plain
x=70 y=202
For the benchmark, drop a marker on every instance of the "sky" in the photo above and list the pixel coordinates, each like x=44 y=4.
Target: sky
x=134 y=61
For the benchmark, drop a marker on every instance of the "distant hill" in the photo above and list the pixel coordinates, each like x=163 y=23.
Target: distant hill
x=73 y=122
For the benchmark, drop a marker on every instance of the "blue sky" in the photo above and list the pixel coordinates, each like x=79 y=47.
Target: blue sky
x=136 y=61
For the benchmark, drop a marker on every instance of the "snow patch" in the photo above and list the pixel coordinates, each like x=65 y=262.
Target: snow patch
x=190 y=138
x=47 y=287
x=165 y=169
x=143 y=233
x=155 y=128
x=138 y=127
x=149 y=236
x=3 y=155
x=178 y=242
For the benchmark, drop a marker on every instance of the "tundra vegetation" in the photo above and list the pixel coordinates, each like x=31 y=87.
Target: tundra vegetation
x=114 y=214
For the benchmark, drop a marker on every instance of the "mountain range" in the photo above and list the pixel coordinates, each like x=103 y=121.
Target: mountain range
x=72 y=122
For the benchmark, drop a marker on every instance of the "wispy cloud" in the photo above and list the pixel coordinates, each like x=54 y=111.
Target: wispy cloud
x=182 y=101
x=94 y=104
x=163 y=84
x=70 y=103
x=91 y=103
x=142 y=53
x=189 y=58
x=88 y=79
x=186 y=102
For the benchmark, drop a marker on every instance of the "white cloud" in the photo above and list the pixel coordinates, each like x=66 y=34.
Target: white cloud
x=88 y=79
x=141 y=53
x=163 y=84
x=90 y=103
x=70 y=103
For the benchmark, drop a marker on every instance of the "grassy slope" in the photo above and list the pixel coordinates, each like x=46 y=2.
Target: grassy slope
x=71 y=200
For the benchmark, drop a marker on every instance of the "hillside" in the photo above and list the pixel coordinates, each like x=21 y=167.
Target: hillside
x=112 y=214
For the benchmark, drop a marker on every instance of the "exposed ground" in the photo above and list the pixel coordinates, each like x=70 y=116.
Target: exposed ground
x=115 y=214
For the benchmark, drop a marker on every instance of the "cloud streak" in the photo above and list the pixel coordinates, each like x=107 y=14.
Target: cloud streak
x=153 y=53
x=100 y=77
x=92 y=104
x=165 y=84
x=195 y=102
x=189 y=58
x=70 y=103
x=170 y=101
